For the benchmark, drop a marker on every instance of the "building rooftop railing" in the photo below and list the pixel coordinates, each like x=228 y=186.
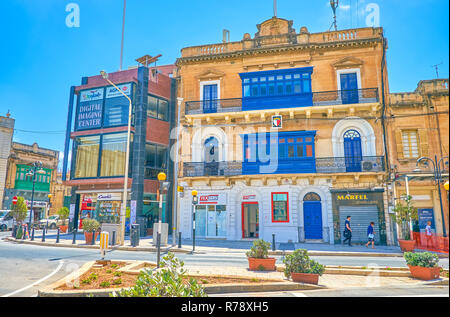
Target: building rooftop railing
x=324 y=98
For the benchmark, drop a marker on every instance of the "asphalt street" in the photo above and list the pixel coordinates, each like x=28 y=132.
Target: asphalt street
x=26 y=268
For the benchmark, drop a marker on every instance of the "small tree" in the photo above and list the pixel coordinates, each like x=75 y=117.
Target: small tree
x=259 y=250
x=19 y=210
x=404 y=213
x=63 y=214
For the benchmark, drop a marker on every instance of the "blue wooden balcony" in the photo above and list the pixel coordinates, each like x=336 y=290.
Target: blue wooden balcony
x=324 y=98
x=321 y=165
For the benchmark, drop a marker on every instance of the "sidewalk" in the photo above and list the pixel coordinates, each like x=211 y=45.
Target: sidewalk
x=219 y=246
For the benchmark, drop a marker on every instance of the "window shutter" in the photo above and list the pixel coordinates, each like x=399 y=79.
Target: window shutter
x=398 y=141
x=423 y=142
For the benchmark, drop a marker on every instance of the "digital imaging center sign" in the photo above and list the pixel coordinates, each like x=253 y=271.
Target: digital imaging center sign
x=90 y=109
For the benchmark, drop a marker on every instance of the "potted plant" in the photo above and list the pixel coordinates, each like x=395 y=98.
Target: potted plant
x=19 y=214
x=404 y=214
x=301 y=268
x=258 y=257
x=423 y=266
x=63 y=214
x=90 y=227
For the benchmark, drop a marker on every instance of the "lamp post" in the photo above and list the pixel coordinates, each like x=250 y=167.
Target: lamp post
x=37 y=168
x=175 y=193
x=437 y=171
x=163 y=187
x=194 y=203
x=49 y=196
x=127 y=161
x=447 y=186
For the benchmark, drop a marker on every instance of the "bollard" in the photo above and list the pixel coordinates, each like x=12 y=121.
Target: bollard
x=57 y=236
x=74 y=236
x=46 y=227
x=179 y=240
x=43 y=235
x=24 y=232
x=32 y=235
x=14 y=232
x=113 y=240
x=158 y=247
x=93 y=238
x=273 y=242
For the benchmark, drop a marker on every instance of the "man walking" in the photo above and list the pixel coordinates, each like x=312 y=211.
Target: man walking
x=348 y=232
x=370 y=235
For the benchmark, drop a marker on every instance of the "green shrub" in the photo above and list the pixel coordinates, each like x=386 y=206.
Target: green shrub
x=86 y=281
x=169 y=281
x=423 y=259
x=90 y=225
x=63 y=214
x=117 y=281
x=299 y=262
x=93 y=276
x=114 y=266
x=19 y=232
x=105 y=284
x=108 y=271
x=259 y=250
x=117 y=274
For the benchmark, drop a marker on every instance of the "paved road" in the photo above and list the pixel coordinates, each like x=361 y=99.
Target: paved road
x=22 y=266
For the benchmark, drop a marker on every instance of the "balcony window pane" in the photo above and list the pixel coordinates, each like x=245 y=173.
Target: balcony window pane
x=306 y=86
x=300 y=151
x=287 y=77
x=254 y=80
x=279 y=77
x=297 y=87
x=87 y=153
x=263 y=90
x=308 y=139
x=271 y=89
x=291 y=151
x=262 y=79
x=255 y=91
x=152 y=108
x=288 y=88
x=282 y=151
x=271 y=78
x=280 y=88
x=114 y=149
x=309 y=151
x=246 y=80
x=246 y=91
x=296 y=76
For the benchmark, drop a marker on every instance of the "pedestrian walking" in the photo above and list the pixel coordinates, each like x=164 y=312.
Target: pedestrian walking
x=348 y=232
x=371 y=235
x=416 y=232
x=429 y=235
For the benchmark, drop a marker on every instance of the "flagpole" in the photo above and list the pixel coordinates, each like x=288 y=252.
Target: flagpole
x=274 y=8
x=123 y=33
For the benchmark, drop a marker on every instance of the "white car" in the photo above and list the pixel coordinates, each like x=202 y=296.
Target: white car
x=52 y=222
x=6 y=220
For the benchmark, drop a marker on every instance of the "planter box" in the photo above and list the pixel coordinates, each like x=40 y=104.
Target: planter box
x=257 y=264
x=407 y=245
x=425 y=273
x=305 y=278
x=88 y=237
x=63 y=229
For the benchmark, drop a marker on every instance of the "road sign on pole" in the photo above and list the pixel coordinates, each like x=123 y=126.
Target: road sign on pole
x=14 y=201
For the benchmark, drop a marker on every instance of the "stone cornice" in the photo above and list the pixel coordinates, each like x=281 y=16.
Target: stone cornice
x=278 y=49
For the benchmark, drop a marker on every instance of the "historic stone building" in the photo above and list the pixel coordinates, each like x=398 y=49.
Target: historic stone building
x=418 y=126
x=283 y=135
x=18 y=183
x=6 y=137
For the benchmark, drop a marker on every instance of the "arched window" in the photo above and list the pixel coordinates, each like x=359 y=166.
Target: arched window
x=351 y=134
x=311 y=197
x=211 y=150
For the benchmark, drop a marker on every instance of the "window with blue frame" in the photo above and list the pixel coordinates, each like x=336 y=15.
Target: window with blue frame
x=286 y=152
x=262 y=90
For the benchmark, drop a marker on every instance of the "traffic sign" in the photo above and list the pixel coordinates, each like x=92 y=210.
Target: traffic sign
x=14 y=201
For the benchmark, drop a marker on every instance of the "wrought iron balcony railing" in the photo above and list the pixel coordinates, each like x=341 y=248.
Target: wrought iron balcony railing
x=324 y=165
x=324 y=98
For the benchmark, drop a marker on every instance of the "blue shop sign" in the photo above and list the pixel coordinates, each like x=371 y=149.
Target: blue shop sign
x=426 y=215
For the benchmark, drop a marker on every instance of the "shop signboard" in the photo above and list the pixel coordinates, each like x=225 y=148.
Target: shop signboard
x=90 y=109
x=37 y=204
x=249 y=198
x=426 y=215
x=212 y=199
x=109 y=197
x=117 y=105
x=71 y=212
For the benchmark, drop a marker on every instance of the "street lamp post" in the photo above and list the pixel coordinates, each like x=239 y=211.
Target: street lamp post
x=127 y=161
x=163 y=187
x=37 y=168
x=437 y=171
x=194 y=203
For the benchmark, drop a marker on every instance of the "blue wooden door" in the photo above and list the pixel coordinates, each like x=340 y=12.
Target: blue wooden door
x=209 y=98
x=312 y=211
x=352 y=151
x=349 y=88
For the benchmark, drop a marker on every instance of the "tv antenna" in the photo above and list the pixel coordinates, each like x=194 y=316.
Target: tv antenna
x=334 y=5
x=275 y=8
x=437 y=69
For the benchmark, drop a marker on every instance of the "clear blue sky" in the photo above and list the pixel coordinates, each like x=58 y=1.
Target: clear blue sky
x=41 y=57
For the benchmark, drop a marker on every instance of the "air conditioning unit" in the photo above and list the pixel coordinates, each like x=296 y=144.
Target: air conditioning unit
x=367 y=166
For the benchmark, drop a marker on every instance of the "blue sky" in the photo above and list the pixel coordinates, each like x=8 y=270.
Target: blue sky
x=41 y=57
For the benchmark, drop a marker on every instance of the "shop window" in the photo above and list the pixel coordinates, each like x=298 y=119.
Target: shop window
x=87 y=154
x=280 y=207
x=114 y=147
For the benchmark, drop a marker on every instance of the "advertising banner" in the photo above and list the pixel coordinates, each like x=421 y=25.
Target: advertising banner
x=90 y=109
x=212 y=199
x=117 y=105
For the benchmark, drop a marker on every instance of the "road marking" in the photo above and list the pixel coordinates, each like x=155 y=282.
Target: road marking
x=37 y=282
x=299 y=295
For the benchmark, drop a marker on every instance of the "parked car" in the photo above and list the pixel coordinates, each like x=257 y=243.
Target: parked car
x=6 y=220
x=53 y=222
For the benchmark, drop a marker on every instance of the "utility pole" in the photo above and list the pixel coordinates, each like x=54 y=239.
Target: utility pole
x=437 y=69
x=334 y=5
x=123 y=33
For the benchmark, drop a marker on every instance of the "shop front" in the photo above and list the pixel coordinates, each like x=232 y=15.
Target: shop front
x=211 y=215
x=364 y=207
x=103 y=207
x=39 y=209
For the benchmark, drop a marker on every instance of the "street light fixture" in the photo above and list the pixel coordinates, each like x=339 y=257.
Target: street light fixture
x=36 y=169
x=163 y=188
x=437 y=173
x=127 y=160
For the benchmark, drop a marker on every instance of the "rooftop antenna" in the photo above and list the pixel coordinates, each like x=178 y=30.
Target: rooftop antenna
x=437 y=69
x=334 y=5
x=275 y=8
